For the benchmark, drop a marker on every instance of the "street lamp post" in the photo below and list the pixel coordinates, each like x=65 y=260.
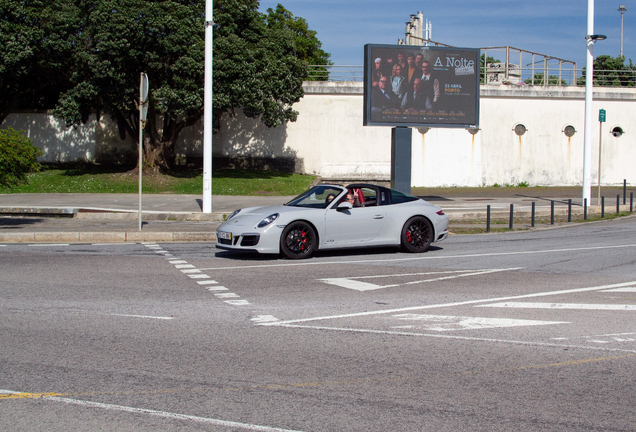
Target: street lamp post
x=589 y=77
x=207 y=110
x=621 y=9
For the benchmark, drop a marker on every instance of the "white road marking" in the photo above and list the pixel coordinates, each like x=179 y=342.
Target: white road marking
x=351 y=283
x=446 y=336
x=237 y=302
x=612 y=337
x=578 y=306
x=217 y=288
x=227 y=295
x=181 y=266
x=625 y=290
x=199 y=276
x=161 y=252
x=425 y=257
x=207 y=282
x=49 y=244
x=468 y=302
x=178 y=262
x=264 y=318
x=451 y=323
x=164 y=414
x=142 y=316
x=190 y=271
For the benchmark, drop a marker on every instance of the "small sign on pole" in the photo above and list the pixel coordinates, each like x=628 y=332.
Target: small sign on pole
x=601 y=119
x=143 y=113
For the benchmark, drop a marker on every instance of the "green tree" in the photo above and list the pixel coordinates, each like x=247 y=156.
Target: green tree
x=612 y=72
x=539 y=79
x=255 y=68
x=35 y=46
x=308 y=47
x=18 y=157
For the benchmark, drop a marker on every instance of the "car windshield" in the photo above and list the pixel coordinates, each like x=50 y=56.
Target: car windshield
x=317 y=197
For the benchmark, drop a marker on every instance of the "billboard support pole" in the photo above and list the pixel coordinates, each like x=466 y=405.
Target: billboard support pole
x=401 y=159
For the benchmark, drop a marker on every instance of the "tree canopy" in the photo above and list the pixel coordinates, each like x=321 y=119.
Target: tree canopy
x=34 y=52
x=612 y=72
x=86 y=56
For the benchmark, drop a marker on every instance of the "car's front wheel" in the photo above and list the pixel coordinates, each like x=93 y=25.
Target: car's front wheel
x=298 y=240
x=417 y=234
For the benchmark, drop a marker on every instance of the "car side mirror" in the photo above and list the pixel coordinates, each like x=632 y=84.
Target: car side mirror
x=344 y=206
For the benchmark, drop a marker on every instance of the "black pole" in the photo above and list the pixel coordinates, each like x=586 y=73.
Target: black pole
x=631 y=202
x=488 y=218
x=624 y=191
x=533 y=213
x=551 y=212
x=570 y=210
x=585 y=209
x=618 y=204
x=512 y=206
x=602 y=207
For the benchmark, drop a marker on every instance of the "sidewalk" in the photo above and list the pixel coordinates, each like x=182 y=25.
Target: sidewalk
x=106 y=218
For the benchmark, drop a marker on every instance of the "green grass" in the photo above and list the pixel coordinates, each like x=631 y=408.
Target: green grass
x=97 y=179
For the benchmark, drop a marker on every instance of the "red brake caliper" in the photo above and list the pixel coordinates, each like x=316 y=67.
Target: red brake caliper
x=303 y=241
x=408 y=236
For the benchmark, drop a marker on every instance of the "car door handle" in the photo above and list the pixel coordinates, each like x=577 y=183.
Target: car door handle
x=379 y=216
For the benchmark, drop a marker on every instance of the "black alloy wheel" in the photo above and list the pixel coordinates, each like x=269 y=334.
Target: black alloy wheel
x=298 y=240
x=417 y=234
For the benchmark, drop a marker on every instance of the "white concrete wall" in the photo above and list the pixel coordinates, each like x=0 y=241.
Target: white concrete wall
x=331 y=140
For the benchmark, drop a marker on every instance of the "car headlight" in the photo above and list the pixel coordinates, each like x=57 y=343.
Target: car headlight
x=234 y=213
x=268 y=220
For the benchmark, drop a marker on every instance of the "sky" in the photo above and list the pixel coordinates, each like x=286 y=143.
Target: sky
x=551 y=27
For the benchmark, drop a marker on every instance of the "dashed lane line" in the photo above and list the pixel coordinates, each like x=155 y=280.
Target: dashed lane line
x=201 y=278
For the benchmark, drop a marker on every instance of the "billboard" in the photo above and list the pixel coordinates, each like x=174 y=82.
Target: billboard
x=421 y=86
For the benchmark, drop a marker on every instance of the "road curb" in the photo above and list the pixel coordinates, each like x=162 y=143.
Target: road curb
x=107 y=237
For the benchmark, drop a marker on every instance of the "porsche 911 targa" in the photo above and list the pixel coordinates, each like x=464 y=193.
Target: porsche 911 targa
x=322 y=219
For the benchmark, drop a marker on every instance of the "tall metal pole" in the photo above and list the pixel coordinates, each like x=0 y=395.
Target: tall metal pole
x=587 y=138
x=621 y=9
x=207 y=109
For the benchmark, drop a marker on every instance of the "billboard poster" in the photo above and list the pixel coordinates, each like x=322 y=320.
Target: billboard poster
x=421 y=86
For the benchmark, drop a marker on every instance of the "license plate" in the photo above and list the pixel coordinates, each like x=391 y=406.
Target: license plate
x=224 y=235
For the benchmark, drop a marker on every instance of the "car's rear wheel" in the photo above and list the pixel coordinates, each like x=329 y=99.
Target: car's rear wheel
x=298 y=240
x=417 y=234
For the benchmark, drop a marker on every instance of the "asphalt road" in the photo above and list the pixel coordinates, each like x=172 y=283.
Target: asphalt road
x=527 y=331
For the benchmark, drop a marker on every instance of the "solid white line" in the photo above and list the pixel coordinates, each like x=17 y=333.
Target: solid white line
x=365 y=286
x=49 y=244
x=164 y=414
x=577 y=306
x=420 y=258
x=468 y=302
x=628 y=290
x=142 y=316
x=446 y=336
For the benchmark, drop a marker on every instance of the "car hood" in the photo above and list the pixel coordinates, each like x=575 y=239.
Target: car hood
x=251 y=216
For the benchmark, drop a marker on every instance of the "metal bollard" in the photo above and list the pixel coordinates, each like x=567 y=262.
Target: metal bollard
x=570 y=210
x=602 y=207
x=551 y=212
x=631 y=202
x=624 y=191
x=511 y=215
x=488 y=218
x=585 y=209
x=533 y=213
x=618 y=204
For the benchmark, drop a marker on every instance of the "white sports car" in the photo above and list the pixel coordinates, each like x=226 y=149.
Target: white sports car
x=322 y=219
